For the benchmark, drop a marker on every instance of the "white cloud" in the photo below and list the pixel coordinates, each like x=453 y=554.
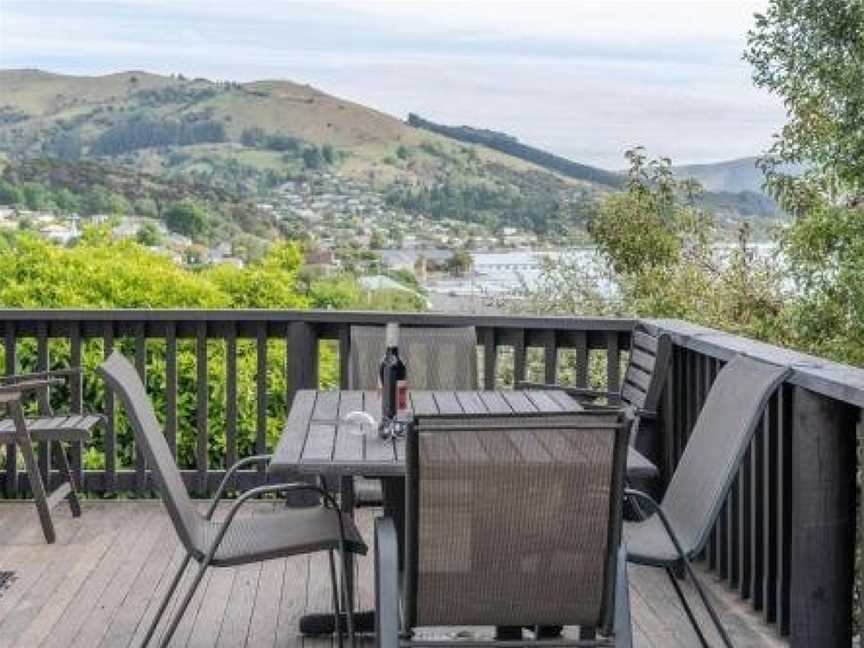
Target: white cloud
x=584 y=78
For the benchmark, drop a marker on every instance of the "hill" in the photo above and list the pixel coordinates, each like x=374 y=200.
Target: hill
x=512 y=146
x=733 y=176
x=141 y=118
x=252 y=140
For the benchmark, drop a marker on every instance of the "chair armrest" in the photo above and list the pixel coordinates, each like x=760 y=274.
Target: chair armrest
x=645 y=498
x=576 y=392
x=639 y=466
x=386 y=584
x=645 y=414
x=330 y=502
x=28 y=386
x=220 y=491
x=53 y=373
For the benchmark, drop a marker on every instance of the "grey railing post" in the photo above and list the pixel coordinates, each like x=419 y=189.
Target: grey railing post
x=823 y=520
x=302 y=373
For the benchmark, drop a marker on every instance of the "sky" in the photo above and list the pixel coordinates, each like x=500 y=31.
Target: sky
x=586 y=79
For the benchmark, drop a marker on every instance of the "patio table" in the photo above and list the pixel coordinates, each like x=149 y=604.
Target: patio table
x=317 y=441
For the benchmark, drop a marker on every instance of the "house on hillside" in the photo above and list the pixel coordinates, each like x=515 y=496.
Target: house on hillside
x=321 y=260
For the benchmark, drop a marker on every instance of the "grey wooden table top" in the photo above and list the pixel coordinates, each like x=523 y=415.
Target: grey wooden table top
x=314 y=441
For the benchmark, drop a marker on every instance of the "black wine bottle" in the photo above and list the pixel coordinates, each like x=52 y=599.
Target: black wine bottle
x=393 y=377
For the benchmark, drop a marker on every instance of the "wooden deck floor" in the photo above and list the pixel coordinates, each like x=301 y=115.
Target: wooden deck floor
x=99 y=584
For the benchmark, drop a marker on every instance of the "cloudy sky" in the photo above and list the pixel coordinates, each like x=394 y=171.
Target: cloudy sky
x=584 y=78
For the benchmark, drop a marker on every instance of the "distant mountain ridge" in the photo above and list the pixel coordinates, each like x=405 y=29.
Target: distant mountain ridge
x=741 y=174
x=512 y=146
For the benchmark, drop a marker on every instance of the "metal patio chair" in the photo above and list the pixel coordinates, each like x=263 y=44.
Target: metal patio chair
x=232 y=541
x=46 y=427
x=511 y=521
x=676 y=530
x=436 y=358
x=644 y=378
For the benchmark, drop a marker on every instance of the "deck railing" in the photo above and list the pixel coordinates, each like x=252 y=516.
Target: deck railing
x=518 y=340
x=784 y=541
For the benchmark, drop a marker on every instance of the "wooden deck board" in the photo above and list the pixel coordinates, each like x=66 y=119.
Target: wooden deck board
x=100 y=583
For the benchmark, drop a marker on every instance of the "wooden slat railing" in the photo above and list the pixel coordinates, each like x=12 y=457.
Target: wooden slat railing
x=785 y=539
x=302 y=331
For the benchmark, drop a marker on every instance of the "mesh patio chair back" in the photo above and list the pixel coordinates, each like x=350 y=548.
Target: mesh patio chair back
x=514 y=520
x=123 y=379
x=436 y=358
x=730 y=415
x=646 y=370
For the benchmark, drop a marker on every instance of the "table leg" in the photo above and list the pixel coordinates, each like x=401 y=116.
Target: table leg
x=323 y=623
x=394 y=507
x=346 y=503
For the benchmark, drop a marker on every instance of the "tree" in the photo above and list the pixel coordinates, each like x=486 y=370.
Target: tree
x=99 y=200
x=36 y=196
x=312 y=158
x=252 y=137
x=810 y=54
x=328 y=153
x=10 y=194
x=459 y=263
x=186 y=217
x=67 y=201
x=148 y=235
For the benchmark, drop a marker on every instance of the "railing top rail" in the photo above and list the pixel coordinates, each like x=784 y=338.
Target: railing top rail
x=833 y=379
x=318 y=316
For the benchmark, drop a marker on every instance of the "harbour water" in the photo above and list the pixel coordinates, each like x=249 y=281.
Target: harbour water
x=496 y=275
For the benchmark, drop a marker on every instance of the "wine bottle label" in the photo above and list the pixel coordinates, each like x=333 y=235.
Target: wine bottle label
x=402 y=394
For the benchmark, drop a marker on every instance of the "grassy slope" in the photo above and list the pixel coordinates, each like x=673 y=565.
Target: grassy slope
x=367 y=135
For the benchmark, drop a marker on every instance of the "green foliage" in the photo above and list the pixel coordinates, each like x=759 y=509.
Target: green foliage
x=101 y=272
x=10 y=194
x=269 y=284
x=312 y=158
x=148 y=235
x=186 y=217
x=809 y=53
x=35 y=196
x=146 y=133
x=534 y=207
x=100 y=200
x=654 y=259
x=329 y=154
x=459 y=263
x=257 y=138
x=642 y=228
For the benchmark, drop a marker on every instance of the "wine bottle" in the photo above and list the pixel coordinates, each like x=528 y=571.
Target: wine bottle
x=393 y=377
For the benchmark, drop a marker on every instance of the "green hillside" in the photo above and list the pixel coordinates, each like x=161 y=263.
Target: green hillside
x=248 y=139
x=160 y=123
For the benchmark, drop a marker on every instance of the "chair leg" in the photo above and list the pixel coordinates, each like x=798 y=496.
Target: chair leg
x=707 y=603
x=187 y=598
x=623 y=624
x=334 y=587
x=66 y=469
x=165 y=599
x=348 y=598
x=37 y=486
x=687 y=609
